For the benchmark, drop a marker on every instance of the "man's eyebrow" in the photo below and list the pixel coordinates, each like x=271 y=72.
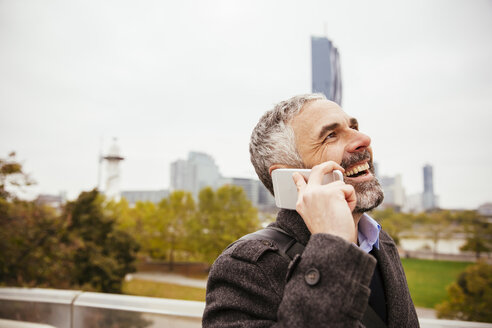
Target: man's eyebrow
x=353 y=121
x=327 y=128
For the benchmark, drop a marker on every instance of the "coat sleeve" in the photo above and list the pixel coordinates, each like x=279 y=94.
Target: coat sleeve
x=327 y=285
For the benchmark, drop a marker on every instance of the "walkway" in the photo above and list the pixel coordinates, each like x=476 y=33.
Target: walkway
x=170 y=278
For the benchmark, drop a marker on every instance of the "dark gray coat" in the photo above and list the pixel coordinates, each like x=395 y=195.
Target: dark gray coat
x=251 y=285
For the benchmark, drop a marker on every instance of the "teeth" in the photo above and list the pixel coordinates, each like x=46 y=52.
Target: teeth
x=357 y=169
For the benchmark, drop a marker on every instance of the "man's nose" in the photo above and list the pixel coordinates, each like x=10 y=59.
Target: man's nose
x=359 y=141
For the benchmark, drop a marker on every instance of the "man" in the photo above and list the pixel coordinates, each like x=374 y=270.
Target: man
x=347 y=264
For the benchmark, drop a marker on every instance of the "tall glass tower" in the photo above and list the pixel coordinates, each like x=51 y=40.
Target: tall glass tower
x=428 y=197
x=325 y=64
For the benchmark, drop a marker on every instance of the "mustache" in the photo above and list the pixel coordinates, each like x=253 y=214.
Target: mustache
x=355 y=158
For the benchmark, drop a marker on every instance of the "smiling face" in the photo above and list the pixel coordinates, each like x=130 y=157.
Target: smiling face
x=324 y=132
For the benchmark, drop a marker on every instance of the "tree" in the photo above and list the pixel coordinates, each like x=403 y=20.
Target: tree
x=437 y=225
x=169 y=225
x=30 y=251
x=393 y=223
x=223 y=216
x=104 y=254
x=470 y=297
x=12 y=176
x=478 y=233
x=140 y=222
x=80 y=248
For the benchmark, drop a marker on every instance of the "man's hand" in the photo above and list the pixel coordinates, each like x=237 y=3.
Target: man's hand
x=326 y=208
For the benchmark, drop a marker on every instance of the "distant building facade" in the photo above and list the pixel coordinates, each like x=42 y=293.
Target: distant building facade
x=54 y=201
x=250 y=187
x=256 y=192
x=485 y=210
x=199 y=171
x=195 y=173
x=325 y=67
x=426 y=200
x=394 y=193
x=154 y=196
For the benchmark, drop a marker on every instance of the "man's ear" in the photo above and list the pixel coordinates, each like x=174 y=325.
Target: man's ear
x=277 y=166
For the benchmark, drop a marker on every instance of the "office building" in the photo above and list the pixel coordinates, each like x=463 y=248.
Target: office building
x=325 y=67
x=134 y=196
x=256 y=192
x=199 y=171
x=195 y=173
x=250 y=187
x=428 y=196
x=394 y=193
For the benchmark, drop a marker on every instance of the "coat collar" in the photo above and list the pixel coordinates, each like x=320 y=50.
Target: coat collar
x=291 y=222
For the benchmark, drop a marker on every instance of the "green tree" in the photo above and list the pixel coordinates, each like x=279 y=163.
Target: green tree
x=173 y=216
x=478 y=233
x=437 y=225
x=223 y=216
x=470 y=297
x=12 y=177
x=140 y=222
x=104 y=254
x=394 y=223
x=30 y=251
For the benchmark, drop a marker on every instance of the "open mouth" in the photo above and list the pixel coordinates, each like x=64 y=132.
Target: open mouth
x=357 y=171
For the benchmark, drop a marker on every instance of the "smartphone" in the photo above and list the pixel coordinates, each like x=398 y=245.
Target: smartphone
x=285 y=189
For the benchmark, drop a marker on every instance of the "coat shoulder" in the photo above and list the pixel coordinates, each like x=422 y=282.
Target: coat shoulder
x=249 y=250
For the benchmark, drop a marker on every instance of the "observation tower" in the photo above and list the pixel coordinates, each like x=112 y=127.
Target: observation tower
x=113 y=174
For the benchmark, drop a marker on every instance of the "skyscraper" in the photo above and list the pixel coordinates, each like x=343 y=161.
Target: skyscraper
x=325 y=63
x=428 y=197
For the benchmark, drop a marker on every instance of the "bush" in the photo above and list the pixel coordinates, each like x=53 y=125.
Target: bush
x=470 y=297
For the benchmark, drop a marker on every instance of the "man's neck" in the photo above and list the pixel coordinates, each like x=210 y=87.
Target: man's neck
x=357 y=217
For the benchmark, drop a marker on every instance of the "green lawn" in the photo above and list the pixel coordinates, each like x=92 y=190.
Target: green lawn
x=164 y=290
x=428 y=279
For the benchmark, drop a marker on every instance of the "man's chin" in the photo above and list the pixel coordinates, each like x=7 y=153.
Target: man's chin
x=369 y=196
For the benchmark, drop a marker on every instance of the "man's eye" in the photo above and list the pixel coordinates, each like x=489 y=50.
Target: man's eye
x=355 y=127
x=331 y=135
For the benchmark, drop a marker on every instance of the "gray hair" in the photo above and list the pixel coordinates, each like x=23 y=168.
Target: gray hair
x=273 y=140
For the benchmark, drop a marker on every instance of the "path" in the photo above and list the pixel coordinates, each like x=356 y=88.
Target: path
x=170 y=278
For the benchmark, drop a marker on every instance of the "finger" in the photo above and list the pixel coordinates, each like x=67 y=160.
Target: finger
x=319 y=171
x=350 y=196
x=299 y=181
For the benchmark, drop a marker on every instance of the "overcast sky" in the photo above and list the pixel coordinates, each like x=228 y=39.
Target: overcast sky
x=169 y=77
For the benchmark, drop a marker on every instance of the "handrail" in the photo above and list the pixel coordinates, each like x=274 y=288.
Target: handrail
x=144 y=304
x=75 y=305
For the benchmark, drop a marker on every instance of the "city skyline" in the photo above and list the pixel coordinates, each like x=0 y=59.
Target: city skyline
x=169 y=78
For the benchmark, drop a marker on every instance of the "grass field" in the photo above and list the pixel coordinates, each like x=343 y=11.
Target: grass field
x=428 y=279
x=158 y=289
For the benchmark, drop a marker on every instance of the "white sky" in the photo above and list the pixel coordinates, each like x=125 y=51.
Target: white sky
x=167 y=77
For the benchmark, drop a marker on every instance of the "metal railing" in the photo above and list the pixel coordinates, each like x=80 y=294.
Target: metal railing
x=76 y=309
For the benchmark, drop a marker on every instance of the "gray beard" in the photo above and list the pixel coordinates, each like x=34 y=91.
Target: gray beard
x=369 y=195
